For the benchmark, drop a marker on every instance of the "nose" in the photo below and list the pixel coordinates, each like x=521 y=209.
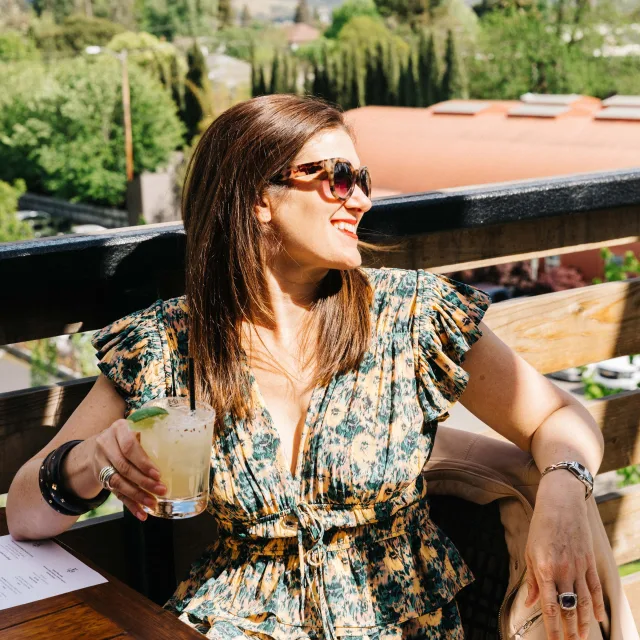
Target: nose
x=358 y=201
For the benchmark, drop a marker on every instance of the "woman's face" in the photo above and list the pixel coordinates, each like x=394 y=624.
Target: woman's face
x=305 y=218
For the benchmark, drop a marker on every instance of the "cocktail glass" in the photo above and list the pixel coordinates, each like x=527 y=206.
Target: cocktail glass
x=179 y=445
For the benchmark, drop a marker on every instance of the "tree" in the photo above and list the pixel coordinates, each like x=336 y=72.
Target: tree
x=74 y=34
x=15 y=47
x=303 y=14
x=245 y=17
x=225 y=13
x=11 y=228
x=198 y=91
x=454 y=81
x=61 y=128
x=349 y=10
x=521 y=51
x=408 y=89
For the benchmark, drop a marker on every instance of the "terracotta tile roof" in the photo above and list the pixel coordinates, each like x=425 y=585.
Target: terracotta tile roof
x=410 y=150
x=299 y=33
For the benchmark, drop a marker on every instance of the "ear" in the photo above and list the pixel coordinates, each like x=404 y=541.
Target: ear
x=262 y=209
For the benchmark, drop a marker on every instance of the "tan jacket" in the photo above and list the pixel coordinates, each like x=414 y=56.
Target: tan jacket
x=482 y=469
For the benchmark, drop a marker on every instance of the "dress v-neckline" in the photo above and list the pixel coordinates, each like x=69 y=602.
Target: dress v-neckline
x=293 y=480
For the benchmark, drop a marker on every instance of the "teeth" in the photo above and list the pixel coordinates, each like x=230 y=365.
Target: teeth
x=345 y=226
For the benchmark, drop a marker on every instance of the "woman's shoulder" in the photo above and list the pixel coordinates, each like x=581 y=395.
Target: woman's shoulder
x=150 y=326
x=400 y=295
x=142 y=351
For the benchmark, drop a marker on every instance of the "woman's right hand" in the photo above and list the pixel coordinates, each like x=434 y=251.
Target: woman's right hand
x=136 y=478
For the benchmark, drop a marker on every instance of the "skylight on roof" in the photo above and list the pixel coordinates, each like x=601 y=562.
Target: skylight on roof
x=466 y=107
x=538 y=110
x=550 y=98
x=622 y=101
x=619 y=113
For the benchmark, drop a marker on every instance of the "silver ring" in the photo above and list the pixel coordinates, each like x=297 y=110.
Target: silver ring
x=106 y=473
x=568 y=601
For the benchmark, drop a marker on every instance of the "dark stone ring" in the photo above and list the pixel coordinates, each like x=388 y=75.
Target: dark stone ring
x=568 y=601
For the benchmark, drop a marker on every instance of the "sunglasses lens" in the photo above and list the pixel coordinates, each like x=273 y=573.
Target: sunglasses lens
x=342 y=179
x=365 y=182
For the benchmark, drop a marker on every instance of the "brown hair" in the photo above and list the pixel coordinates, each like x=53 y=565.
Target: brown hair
x=228 y=248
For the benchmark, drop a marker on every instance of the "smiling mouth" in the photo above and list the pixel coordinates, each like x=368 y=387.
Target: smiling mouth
x=346 y=228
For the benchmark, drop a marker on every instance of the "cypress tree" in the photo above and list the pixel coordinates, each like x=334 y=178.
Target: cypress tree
x=261 y=87
x=198 y=90
x=381 y=80
x=303 y=14
x=308 y=80
x=225 y=13
x=429 y=72
x=411 y=82
x=454 y=81
x=245 y=17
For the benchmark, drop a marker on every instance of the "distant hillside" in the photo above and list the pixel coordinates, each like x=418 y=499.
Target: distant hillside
x=281 y=9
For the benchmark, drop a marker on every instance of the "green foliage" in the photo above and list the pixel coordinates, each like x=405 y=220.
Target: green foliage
x=62 y=129
x=350 y=9
x=15 y=47
x=74 y=35
x=198 y=103
x=429 y=71
x=522 y=51
x=158 y=58
x=414 y=11
x=170 y=18
x=454 y=81
x=44 y=357
x=616 y=269
x=12 y=229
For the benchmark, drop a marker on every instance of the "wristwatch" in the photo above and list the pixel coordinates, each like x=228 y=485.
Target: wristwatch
x=578 y=470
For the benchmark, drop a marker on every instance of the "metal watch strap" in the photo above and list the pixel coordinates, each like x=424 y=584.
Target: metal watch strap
x=578 y=470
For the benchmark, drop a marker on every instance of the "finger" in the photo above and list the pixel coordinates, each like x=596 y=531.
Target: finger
x=132 y=450
x=119 y=460
x=569 y=617
x=584 y=606
x=550 y=607
x=595 y=589
x=120 y=485
x=533 y=591
x=134 y=507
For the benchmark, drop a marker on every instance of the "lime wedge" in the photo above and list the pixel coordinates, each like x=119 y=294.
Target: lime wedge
x=145 y=418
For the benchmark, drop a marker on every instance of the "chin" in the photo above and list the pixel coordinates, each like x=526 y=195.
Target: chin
x=348 y=262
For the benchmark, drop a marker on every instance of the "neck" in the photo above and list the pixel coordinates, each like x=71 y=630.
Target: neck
x=292 y=293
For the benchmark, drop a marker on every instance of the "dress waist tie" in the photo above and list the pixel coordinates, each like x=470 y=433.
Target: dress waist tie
x=316 y=558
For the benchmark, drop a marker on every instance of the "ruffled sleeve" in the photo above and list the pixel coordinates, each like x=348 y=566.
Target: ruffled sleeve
x=445 y=326
x=133 y=354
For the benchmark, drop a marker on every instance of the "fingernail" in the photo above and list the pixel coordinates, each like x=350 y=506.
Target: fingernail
x=155 y=474
x=141 y=515
x=160 y=488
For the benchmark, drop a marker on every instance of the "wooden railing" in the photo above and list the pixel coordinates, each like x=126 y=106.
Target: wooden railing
x=80 y=283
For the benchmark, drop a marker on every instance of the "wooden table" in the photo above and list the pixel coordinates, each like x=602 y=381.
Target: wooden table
x=109 y=610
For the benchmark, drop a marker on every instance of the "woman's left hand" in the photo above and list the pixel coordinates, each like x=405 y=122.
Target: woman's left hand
x=560 y=558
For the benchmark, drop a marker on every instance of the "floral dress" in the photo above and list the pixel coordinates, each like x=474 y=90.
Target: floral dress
x=345 y=546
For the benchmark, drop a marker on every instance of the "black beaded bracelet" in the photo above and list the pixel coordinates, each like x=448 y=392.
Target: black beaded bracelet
x=52 y=488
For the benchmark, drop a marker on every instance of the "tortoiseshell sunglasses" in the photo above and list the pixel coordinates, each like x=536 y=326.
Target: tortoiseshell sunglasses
x=341 y=174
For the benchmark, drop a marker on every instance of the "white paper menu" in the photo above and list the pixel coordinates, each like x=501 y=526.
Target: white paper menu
x=31 y=571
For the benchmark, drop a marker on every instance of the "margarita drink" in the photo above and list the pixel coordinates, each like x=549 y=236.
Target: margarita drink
x=178 y=442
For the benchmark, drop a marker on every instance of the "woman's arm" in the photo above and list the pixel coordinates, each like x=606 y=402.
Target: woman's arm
x=96 y=421
x=509 y=395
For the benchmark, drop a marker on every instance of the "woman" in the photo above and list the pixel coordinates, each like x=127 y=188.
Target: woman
x=329 y=382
